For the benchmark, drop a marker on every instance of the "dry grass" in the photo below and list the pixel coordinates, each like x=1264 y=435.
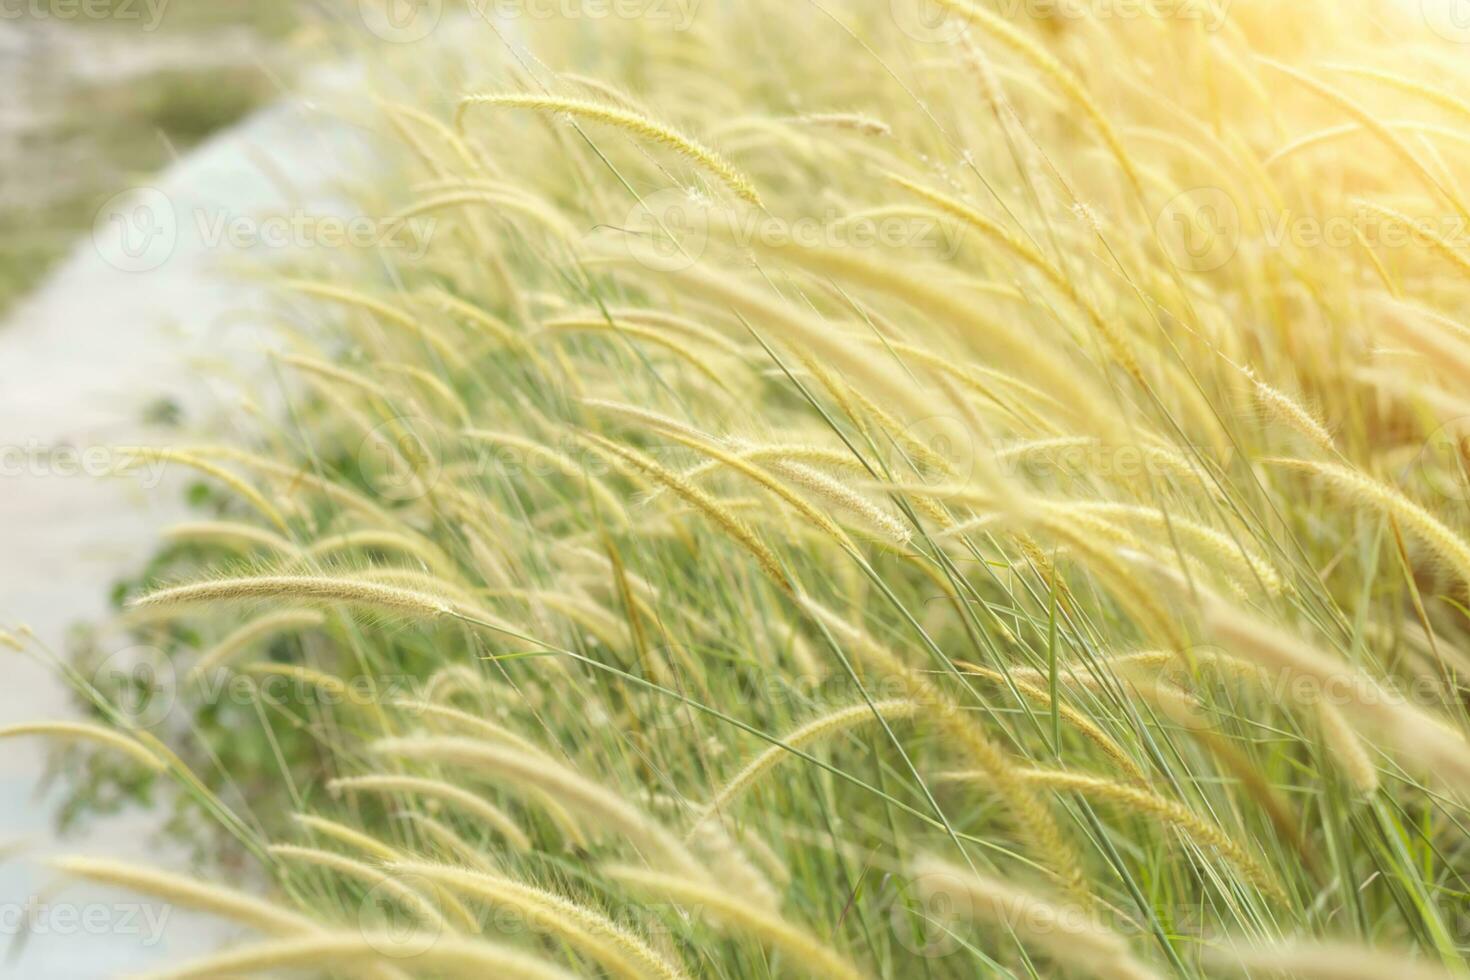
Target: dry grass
x=1089 y=475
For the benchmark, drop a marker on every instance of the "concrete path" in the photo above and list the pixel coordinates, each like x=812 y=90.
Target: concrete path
x=122 y=323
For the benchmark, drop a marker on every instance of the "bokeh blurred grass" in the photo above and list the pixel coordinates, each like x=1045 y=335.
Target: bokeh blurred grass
x=93 y=133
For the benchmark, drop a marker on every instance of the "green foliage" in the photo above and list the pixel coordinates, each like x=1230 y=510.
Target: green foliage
x=1126 y=519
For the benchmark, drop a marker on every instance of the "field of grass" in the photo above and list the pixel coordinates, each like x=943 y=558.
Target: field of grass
x=856 y=490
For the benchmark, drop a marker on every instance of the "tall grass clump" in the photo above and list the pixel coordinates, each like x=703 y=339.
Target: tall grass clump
x=1009 y=542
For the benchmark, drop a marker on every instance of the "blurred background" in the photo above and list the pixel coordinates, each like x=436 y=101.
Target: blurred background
x=132 y=133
